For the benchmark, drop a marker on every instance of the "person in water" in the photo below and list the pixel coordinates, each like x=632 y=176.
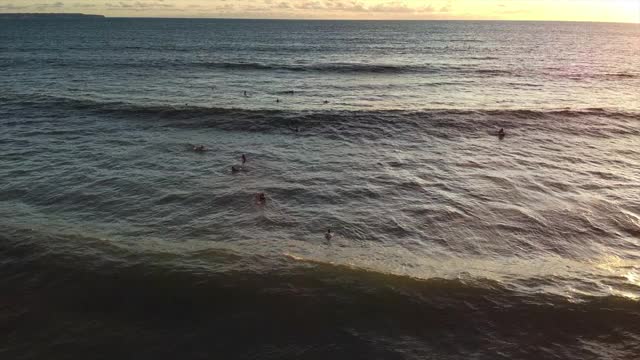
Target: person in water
x=245 y=93
x=239 y=168
x=199 y=148
x=501 y=132
x=328 y=235
x=261 y=198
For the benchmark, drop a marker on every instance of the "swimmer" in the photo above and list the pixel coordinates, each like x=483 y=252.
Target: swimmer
x=277 y=100
x=245 y=93
x=235 y=169
x=501 y=132
x=326 y=102
x=244 y=159
x=199 y=148
x=328 y=235
x=261 y=199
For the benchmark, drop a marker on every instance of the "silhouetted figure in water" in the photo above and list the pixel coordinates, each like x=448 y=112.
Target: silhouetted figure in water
x=277 y=100
x=294 y=128
x=199 y=148
x=328 y=235
x=239 y=168
x=245 y=93
x=261 y=199
x=326 y=102
x=501 y=133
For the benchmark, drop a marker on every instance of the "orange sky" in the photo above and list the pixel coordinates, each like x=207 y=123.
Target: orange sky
x=570 y=10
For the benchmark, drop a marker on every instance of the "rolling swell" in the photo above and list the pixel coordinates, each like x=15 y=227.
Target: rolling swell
x=367 y=123
x=341 y=68
x=319 y=68
x=66 y=261
x=301 y=303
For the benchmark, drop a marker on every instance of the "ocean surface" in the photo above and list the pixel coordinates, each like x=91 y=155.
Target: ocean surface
x=118 y=241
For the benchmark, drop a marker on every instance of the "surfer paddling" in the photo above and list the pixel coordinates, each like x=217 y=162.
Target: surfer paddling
x=199 y=148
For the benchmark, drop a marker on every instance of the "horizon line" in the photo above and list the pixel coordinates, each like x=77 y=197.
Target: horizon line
x=313 y=19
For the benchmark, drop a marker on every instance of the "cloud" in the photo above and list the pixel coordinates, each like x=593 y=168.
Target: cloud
x=11 y=7
x=226 y=7
x=445 y=8
x=282 y=5
x=240 y=8
x=56 y=5
x=139 y=5
x=355 y=6
x=42 y=6
x=246 y=8
x=86 y=6
x=400 y=7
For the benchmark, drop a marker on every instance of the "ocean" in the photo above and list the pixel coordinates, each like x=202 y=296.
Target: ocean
x=118 y=241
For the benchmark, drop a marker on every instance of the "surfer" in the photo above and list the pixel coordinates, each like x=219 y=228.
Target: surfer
x=501 y=133
x=277 y=100
x=245 y=93
x=239 y=168
x=261 y=199
x=294 y=128
x=328 y=235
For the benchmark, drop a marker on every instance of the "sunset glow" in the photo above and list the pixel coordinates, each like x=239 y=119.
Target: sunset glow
x=562 y=10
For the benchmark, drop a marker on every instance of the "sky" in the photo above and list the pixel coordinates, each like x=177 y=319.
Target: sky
x=564 y=10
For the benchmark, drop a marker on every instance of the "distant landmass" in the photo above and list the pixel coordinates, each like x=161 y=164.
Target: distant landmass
x=48 y=16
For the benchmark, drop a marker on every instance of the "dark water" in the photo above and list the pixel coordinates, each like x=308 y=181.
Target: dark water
x=117 y=241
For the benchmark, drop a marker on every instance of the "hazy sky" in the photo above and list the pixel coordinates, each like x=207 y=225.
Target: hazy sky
x=587 y=10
